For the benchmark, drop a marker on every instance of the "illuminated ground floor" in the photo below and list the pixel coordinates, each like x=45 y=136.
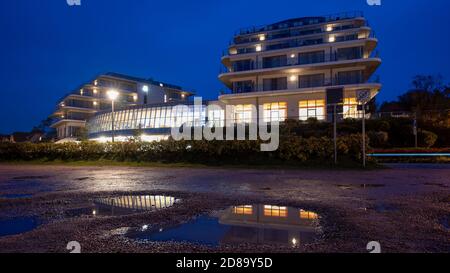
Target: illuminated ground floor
x=154 y=122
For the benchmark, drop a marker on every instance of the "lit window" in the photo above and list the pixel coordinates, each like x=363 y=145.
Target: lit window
x=135 y=98
x=275 y=211
x=351 y=108
x=332 y=39
x=262 y=37
x=243 y=210
x=308 y=215
x=216 y=117
x=275 y=111
x=258 y=48
x=329 y=28
x=311 y=109
x=243 y=113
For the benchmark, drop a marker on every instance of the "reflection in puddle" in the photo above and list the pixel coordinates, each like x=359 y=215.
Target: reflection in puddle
x=17 y=225
x=364 y=186
x=252 y=224
x=15 y=196
x=124 y=205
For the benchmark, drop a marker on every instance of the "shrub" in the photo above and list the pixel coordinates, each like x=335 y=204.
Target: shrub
x=427 y=138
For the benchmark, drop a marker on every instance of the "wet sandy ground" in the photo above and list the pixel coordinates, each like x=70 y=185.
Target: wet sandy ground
x=401 y=207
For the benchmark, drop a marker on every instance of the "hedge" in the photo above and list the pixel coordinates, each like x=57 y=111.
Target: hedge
x=292 y=149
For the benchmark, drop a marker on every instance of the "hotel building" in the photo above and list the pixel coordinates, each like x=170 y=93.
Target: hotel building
x=294 y=69
x=75 y=109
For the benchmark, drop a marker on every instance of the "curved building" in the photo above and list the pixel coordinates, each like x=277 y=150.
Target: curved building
x=295 y=69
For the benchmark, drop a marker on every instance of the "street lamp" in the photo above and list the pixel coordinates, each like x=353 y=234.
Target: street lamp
x=112 y=95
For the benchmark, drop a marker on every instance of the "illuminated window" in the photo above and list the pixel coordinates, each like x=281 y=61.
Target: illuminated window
x=243 y=113
x=308 y=215
x=311 y=109
x=351 y=108
x=244 y=210
x=275 y=111
x=275 y=211
x=216 y=117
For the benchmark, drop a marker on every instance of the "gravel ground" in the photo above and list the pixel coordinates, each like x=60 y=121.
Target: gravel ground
x=401 y=207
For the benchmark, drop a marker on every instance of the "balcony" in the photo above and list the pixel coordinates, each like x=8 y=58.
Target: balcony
x=249 y=86
x=295 y=43
x=291 y=33
x=249 y=65
x=300 y=22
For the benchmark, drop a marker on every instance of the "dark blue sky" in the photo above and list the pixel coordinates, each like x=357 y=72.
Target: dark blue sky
x=48 y=48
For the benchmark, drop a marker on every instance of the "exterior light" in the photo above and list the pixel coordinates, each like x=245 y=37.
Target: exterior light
x=145 y=88
x=135 y=98
x=292 y=55
x=81 y=92
x=332 y=39
x=292 y=78
x=294 y=242
x=62 y=116
x=95 y=103
x=94 y=212
x=144 y=227
x=165 y=98
x=262 y=37
x=112 y=94
x=95 y=82
x=329 y=28
x=95 y=91
x=258 y=48
x=162 y=85
x=183 y=96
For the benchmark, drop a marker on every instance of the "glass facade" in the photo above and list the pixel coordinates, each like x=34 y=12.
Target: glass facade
x=149 y=118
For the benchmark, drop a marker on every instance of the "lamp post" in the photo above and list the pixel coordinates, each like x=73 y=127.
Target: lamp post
x=112 y=95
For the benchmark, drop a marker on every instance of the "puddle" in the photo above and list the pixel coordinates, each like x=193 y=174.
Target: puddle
x=124 y=205
x=31 y=177
x=364 y=186
x=445 y=222
x=441 y=185
x=17 y=225
x=16 y=196
x=252 y=224
x=384 y=208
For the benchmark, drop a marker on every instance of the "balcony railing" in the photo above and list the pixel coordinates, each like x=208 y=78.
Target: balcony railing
x=320 y=59
x=292 y=33
x=327 y=82
x=298 y=43
x=305 y=22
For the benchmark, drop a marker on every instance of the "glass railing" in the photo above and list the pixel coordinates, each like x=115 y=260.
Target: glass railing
x=256 y=65
x=327 y=82
x=290 y=34
x=296 y=43
x=301 y=22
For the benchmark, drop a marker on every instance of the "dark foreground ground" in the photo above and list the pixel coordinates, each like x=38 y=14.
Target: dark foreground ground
x=402 y=207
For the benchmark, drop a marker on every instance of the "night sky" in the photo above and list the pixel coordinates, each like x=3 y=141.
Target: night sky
x=48 y=48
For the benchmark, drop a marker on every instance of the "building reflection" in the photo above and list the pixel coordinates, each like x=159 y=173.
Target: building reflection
x=267 y=224
x=127 y=204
